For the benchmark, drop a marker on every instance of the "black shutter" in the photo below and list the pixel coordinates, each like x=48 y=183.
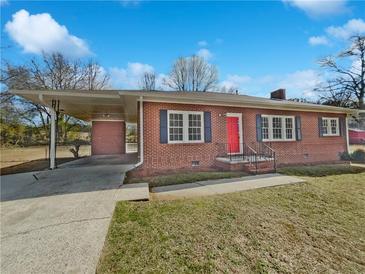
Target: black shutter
x=342 y=126
x=320 y=128
x=258 y=128
x=298 y=128
x=207 y=127
x=163 y=126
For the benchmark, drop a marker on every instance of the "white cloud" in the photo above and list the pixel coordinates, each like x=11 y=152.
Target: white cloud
x=316 y=8
x=352 y=27
x=41 y=33
x=204 y=53
x=203 y=43
x=234 y=82
x=130 y=76
x=301 y=83
x=318 y=40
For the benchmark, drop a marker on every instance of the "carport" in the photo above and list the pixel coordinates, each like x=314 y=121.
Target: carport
x=107 y=110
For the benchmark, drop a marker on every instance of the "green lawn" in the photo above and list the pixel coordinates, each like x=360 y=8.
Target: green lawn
x=313 y=227
x=183 y=178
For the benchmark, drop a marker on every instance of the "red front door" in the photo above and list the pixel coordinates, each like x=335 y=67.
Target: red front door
x=233 y=135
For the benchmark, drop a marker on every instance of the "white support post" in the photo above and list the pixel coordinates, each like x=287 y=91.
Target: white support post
x=140 y=132
x=52 y=151
x=141 y=126
x=347 y=135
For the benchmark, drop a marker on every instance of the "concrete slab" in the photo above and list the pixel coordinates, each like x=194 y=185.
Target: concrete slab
x=133 y=192
x=96 y=160
x=58 y=223
x=213 y=187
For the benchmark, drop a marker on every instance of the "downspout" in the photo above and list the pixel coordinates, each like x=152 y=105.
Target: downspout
x=140 y=132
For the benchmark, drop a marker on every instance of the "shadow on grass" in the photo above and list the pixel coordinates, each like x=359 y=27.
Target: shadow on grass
x=321 y=170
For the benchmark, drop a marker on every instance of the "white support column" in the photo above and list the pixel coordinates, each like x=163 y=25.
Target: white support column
x=140 y=132
x=347 y=135
x=141 y=126
x=52 y=151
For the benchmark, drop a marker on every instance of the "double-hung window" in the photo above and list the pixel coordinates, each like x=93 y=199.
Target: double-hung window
x=176 y=127
x=185 y=126
x=330 y=126
x=277 y=128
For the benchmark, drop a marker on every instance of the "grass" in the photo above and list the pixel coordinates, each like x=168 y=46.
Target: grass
x=10 y=156
x=35 y=165
x=313 y=227
x=183 y=178
x=321 y=170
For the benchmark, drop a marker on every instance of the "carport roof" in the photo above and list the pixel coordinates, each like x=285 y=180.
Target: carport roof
x=122 y=104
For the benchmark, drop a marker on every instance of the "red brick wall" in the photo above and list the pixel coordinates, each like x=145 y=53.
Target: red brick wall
x=311 y=149
x=107 y=137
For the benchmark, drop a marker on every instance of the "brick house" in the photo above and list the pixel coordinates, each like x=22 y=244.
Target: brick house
x=205 y=130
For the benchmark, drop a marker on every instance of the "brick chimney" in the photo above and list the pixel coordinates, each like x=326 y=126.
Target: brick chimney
x=278 y=94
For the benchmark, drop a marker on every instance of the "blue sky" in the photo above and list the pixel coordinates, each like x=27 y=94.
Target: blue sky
x=257 y=46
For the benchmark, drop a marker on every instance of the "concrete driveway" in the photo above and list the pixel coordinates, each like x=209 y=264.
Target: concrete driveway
x=58 y=223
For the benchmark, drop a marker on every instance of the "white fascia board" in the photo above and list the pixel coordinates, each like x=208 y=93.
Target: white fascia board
x=194 y=98
x=255 y=105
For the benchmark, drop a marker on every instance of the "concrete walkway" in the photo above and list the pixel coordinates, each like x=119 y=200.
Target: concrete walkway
x=205 y=188
x=58 y=223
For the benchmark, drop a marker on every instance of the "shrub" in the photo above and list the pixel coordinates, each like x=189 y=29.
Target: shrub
x=75 y=150
x=358 y=155
x=345 y=156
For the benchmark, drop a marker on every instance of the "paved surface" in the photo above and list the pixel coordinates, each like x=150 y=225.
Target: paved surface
x=213 y=187
x=58 y=223
x=358 y=164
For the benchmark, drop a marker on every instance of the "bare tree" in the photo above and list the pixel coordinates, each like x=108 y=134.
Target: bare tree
x=230 y=90
x=192 y=74
x=95 y=76
x=178 y=77
x=52 y=72
x=148 y=81
x=347 y=88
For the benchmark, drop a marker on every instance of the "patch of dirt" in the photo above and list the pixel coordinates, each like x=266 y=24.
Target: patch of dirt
x=34 y=165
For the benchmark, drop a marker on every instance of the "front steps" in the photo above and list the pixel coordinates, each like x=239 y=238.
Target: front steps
x=264 y=165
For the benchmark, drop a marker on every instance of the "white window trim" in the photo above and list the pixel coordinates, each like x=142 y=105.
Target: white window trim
x=283 y=128
x=329 y=128
x=185 y=114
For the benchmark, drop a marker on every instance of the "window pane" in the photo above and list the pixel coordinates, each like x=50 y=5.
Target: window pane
x=324 y=126
x=194 y=127
x=334 y=126
x=265 y=128
x=276 y=128
x=176 y=127
x=289 y=128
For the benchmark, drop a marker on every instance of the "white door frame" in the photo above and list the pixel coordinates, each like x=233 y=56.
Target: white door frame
x=240 y=135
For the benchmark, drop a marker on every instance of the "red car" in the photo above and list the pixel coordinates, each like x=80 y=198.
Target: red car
x=357 y=136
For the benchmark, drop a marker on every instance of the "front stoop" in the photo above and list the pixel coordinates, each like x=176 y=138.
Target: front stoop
x=250 y=167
